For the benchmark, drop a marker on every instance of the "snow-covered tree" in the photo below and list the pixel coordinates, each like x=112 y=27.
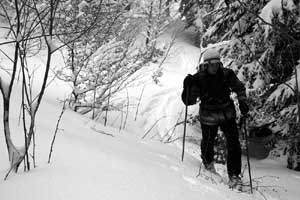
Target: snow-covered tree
x=106 y=19
x=122 y=41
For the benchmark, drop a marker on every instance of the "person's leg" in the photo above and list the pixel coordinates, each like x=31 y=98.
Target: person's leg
x=234 y=156
x=207 y=143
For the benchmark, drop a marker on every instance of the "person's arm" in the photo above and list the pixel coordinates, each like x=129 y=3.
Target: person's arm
x=190 y=91
x=238 y=87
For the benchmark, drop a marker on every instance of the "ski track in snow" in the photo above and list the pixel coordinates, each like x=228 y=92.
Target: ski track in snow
x=297 y=177
x=190 y=180
x=175 y=168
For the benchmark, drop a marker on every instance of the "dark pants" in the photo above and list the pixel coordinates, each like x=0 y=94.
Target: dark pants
x=209 y=133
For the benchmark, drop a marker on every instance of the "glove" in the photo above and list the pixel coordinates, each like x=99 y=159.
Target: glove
x=243 y=108
x=188 y=81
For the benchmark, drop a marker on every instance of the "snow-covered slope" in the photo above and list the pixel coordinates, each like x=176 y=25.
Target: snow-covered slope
x=89 y=163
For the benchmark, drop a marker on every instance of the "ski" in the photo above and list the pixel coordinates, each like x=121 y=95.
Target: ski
x=216 y=178
x=240 y=187
x=212 y=176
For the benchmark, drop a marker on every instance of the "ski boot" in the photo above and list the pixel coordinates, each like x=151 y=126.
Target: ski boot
x=211 y=168
x=235 y=182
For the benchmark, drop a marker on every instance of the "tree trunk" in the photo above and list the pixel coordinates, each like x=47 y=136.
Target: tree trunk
x=150 y=21
x=15 y=156
x=168 y=8
x=294 y=155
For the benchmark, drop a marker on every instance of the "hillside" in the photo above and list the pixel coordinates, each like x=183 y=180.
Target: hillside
x=91 y=161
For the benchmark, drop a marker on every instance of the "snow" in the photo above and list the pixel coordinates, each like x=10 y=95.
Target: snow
x=80 y=14
x=51 y=44
x=19 y=38
x=284 y=91
x=87 y=164
x=82 y=5
x=199 y=19
x=4 y=83
x=274 y=8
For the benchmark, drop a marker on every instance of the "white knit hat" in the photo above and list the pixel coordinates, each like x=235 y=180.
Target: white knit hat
x=211 y=54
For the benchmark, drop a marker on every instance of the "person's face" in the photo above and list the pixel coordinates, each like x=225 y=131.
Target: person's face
x=213 y=67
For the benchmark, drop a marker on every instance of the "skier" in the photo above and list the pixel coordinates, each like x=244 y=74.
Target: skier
x=213 y=85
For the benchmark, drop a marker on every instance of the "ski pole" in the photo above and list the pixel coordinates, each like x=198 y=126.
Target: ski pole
x=247 y=152
x=185 y=121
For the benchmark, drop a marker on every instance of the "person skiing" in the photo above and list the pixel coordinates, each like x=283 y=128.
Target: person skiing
x=213 y=85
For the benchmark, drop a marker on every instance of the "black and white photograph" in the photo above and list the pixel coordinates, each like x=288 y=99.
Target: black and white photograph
x=149 y=99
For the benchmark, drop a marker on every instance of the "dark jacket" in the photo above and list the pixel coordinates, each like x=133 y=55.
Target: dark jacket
x=214 y=92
